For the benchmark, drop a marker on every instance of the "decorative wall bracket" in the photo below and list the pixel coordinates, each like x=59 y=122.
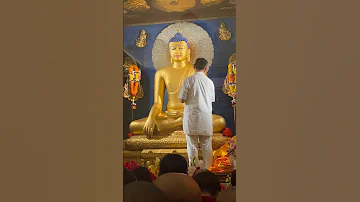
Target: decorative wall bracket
x=173 y=5
x=141 y=40
x=224 y=34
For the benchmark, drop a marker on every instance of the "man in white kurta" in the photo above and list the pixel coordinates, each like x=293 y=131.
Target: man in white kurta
x=198 y=94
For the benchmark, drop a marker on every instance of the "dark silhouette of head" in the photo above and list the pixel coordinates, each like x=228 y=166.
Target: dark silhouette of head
x=141 y=191
x=179 y=187
x=201 y=64
x=173 y=163
x=229 y=195
x=142 y=174
x=208 y=182
x=128 y=176
x=233 y=178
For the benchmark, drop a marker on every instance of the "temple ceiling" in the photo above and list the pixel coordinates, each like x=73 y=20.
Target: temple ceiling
x=137 y=12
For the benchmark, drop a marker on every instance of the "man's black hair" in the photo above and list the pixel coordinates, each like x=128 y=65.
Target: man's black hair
x=208 y=182
x=173 y=163
x=128 y=176
x=141 y=191
x=142 y=174
x=200 y=64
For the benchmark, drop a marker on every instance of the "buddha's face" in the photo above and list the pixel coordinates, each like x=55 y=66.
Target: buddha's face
x=179 y=51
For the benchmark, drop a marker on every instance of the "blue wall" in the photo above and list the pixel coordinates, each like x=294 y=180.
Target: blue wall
x=223 y=50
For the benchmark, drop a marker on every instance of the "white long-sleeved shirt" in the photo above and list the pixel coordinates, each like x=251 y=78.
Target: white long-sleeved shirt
x=199 y=93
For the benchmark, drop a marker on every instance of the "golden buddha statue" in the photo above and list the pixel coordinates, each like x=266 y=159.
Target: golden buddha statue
x=171 y=79
x=161 y=132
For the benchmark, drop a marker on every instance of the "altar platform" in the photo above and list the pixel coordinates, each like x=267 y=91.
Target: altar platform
x=139 y=147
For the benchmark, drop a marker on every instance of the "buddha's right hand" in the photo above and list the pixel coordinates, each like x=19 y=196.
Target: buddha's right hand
x=149 y=127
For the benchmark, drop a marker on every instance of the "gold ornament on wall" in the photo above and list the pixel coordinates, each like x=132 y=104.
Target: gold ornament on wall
x=229 y=86
x=232 y=58
x=136 y=5
x=128 y=61
x=224 y=34
x=141 y=40
x=228 y=7
x=173 y=5
x=211 y=2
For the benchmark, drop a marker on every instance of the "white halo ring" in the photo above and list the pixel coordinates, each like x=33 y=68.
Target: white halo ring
x=201 y=44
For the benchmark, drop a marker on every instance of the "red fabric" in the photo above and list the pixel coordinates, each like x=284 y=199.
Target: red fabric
x=130 y=134
x=208 y=199
x=198 y=168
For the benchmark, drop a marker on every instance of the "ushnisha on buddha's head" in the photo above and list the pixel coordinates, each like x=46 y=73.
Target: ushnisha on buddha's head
x=179 y=47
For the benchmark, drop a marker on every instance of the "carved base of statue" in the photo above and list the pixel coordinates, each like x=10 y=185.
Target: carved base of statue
x=176 y=140
x=167 y=124
x=139 y=147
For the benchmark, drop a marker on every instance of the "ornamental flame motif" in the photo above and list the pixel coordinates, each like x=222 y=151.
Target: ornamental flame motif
x=132 y=88
x=229 y=86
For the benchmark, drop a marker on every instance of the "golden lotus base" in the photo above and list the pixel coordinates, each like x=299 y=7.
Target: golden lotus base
x=175 y=140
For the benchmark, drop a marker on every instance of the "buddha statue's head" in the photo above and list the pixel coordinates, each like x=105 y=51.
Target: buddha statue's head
x=179 y=47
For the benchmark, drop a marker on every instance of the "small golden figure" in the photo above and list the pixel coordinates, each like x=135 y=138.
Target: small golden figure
x=224 y=33
x=141 y=40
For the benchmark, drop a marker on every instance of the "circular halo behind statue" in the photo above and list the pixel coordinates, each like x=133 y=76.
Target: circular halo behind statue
x=200 y=43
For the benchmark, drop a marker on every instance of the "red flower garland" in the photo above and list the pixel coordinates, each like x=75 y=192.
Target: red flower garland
x=227 y=132
x=153 y=177
x=132 y=165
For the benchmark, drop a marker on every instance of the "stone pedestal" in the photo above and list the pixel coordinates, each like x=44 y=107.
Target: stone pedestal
x=139 y=147
x=175 y=140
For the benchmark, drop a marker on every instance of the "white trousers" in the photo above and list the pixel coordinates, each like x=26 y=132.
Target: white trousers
x=205 y=145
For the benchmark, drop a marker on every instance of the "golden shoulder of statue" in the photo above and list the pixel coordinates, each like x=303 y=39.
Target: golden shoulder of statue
x=171 y=79
x=224 y=34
